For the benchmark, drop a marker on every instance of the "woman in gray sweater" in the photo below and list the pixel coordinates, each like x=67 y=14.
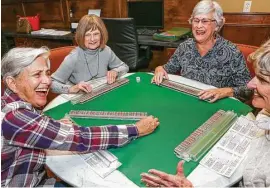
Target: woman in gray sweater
x=90 y=60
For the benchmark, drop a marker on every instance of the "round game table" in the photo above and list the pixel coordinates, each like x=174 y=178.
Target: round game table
x=179 y=115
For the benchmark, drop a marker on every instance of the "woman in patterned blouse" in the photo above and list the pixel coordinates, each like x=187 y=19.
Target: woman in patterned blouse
x=209 y=58
x=26 y=132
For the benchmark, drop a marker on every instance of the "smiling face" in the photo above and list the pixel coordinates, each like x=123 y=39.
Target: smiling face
x=203 y=27
x=33 y=83
x=261 y=85
x=92 y=39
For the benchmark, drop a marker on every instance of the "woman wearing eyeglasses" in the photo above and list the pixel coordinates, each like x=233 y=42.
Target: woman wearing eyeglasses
x=90 y=60
x=209 y=58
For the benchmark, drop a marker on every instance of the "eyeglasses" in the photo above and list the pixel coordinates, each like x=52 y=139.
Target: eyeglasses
x=204 y=21
x=92 y=35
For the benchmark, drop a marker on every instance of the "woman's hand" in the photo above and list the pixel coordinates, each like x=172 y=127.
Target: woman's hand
x=147 y=125
x=81 y=86
x=159 y=74
x=215 y=94
x=66 y=121
x=156 y=178
x=111 y=76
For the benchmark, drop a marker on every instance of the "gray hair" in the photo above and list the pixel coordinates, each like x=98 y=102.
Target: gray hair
x=14 y=61
x=207 y=6
x=261 y=59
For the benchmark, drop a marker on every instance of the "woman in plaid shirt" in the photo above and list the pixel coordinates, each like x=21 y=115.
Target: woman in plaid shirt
x=26 y=132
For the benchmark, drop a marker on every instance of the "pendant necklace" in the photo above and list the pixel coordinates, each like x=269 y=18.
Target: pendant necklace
x=92 y=76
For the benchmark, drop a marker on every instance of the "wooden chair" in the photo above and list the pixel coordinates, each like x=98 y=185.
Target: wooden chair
x=56 y=58
x=246 y=50
x=58 y=55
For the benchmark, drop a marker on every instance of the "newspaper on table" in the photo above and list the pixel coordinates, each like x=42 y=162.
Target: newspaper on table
x=94 y=84
x=101 y=162
x=231 y=149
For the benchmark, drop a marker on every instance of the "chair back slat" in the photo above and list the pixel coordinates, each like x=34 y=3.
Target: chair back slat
x=246 y=51
x=57 y=56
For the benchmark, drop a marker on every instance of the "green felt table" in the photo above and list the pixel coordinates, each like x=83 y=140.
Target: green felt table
x=179 y=115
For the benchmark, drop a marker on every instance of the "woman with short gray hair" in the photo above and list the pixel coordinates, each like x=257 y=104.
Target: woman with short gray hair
x=27 y=133
x=205 y=7
x=208 y=57
x=17 y=59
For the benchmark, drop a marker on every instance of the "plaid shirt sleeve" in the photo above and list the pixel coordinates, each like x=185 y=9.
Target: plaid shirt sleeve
x=25 y=128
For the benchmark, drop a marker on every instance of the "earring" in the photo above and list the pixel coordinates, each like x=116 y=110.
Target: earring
x=215 y=34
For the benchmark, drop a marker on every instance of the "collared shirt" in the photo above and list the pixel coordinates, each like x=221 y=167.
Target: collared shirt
x=222 y=66
x=26 y=133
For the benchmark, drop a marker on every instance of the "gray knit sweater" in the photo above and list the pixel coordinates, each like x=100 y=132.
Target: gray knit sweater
x=84 y=65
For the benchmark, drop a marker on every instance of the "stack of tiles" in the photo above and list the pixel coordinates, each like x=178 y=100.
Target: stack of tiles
x=203 y=138
x=107 y=115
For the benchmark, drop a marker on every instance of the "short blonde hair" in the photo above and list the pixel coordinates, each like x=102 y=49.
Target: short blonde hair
x=261 y=59
x=91 y=23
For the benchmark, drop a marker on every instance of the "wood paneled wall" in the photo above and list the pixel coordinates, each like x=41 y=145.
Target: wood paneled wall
x=56 y=13
x=247 y=28
x=177 y=12
x=256 y=5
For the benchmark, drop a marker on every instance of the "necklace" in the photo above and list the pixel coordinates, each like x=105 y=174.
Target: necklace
x=92 y=75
